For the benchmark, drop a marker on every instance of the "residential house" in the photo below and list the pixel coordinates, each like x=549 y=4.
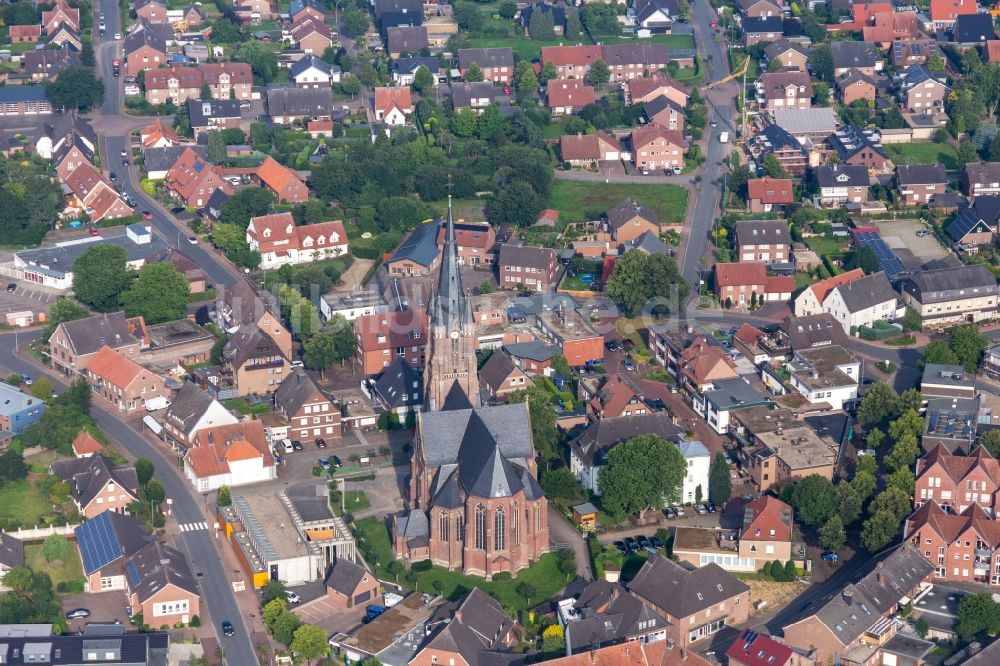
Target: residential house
x=785 y=90
x=384 y=337
x=254 y=361
x=656 y=147
x=311 y=72
x=280 y=242
x=860 y=147
x=175 y=84
x=144 y=49
x=66 y=35
x=919 y=183
x=774 y=140
x=721 y=398
x=25 y=34
x=890 y=26
x=947 y=296
x=779 y=448
x=349 y=584
x=747 y=283
x=969 y=230
x=74 y=343
x=700 y=365
x=921 y=92
x=286 y=185
x=605 y=615
x=192 y=410
x=981 y=178
x=234 y=454
x=957 y=482
x=46 y=64
x=123 y=382
x=814 y=330
x=768 y=530
x=762 y=29
x=496 y=64
x=752 y=648
x=405 y=69
x=69 y=142
x=588 y=149
x=697 y=460
x=529 y=268
x=630 y=219
x=654 y=16
x=571 y=61
x=825 y=375
x=286 y=105
x=192 y=180
x=534 y=357
x=862 y=302
x=11 y=553
x=762 y=240
x=151 y=11
x=840 y=184
x=614 y=396
x=389 y=13
x=85 y=445
x=97 y=485
x=473 y=630
x=947 y=381
x=697 y=603
x=791 y=55
x=417 y=255
x=158 y=161
x=768 y=194
x=499 y=376
x=302 y=10
x=228 y=81
x=848 y=55
x=406 y=41
x=944 y=13
x=473 y=243
x=972 y=29
x=400 y=388
x=569 y=327
x=664 y=112
x=93 y=193
x=810 y=301
x=645 y=89
x=211 y=115
x=60 y=14
x=855 y=85
x=476 y=96
x=637 y=652
x=159 y=134
x=313 y=37
x=557 y=14
x=907 y=52
x=18 y=410
x=393 y=105
x=760 y=9
x=634 y=60
x=942 y=537
x=568 y=96
x=850 y=624
x=309 y=412
x=192 y=272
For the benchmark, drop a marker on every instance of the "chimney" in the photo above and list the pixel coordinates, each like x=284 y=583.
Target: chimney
x=848 y=596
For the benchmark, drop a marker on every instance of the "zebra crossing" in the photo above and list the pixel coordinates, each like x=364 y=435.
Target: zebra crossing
x=193 y=527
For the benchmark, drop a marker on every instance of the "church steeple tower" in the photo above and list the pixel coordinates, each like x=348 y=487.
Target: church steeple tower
x=452 y=378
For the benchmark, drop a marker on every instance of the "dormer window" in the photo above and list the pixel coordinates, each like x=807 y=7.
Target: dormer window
x=267 y=233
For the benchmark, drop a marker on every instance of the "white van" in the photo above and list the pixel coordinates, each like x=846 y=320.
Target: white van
x=286 y=444
x=724 y=137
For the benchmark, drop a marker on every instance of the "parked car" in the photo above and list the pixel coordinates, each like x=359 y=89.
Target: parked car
x=77 y=613
x=657 y=542
x=292 y=597
x=677 y=171
x=613 y=345
x=829 y=556
x=112 y=176
x=11 y=287
x=296 y=445
x=629 y=364
x=335 y=461
x=325 y=464
x=320 y=443
x=711 y=507
x=643 y=541
x=660 y=405
x=922 y=232
x=700 y=510
x=118 y=35
x=631 y=544
x=622 y=548
x=669 y=513
x=724 y=137
x=176 y=210
x=227 y=628
x=26 y=380
x=679 y=510
x=193 y=240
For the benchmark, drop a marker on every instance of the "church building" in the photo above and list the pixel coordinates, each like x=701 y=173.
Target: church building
x=475 y=505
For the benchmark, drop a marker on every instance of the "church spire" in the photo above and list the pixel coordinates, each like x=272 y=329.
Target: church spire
x=450 y=306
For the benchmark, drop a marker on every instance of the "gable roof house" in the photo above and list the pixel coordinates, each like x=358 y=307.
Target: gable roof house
x=151 y=11
x=654 y=16
x=233 y=454
x=861 y=147
x=656 y=147
x=784 y=90
x=767 y=194
x=191 y=410
x=309 y=412
x=406 y=40
x=123 y=382
x=863 y=302
x=405 y=69
x=348 y=584
x=969 y=230
x=60 y=14
x=96 y=485
x=856 y=85
x=922 y=92
x=92 y=192
x=774 y=140
x=634 y=60
x=906 y=52
x=972 y=29
x=919 y=183
x=647 y=88
x=285 y=105
x=890 y=26
x=193 y=180
x=604 y=615
x=312 y=72
x=630 y=219
x=791 y=55
x=848 y=55
x=285 y=184
x=980 y=178
x=393 y=105
x=213 y=114
x=74 y=343
x=664 y=112
x=144 y=49
x=587 y=149
x=496 y=64
x=161 y=584
x=45 y=64
x=762 y=240
x=840 y=184
x=568 y=96
x=947 y=295
x=281 y=242
x=25 y=34
x=944 y=13
x=739 y=283
x=499 y=376
x=571 y=61
x=473 y=630
x=313 y=37
x=810 y=301
x=757 y=29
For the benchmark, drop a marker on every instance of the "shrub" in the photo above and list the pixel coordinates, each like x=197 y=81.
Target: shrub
x=502 y=577
x=195 y=621
x=777 y=571
x=422 y=565
x=789 y=571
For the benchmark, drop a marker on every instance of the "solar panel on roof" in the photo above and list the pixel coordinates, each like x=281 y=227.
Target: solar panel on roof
x=98 y=542
x=132 y=572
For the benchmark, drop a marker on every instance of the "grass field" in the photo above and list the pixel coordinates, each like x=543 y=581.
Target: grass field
x=525 y=47
x=243 y=407
x=670 y=41
x=924 y=153
x=824 y=246
x=23 y=504
x=544 y=576
x=356 y=500
x=580 y=201
x=60 y=571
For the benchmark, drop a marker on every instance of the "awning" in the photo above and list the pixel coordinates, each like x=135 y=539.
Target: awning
x=151 y=423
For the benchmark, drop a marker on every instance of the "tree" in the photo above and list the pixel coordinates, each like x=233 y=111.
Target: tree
x=559 y=483
x=526 y=590
x=507 y=9
x=864 y=482
x=272 y=610
x=968 y=345
x=553 y=640
x=561 y=366
x=542 y=418
x=720 y=483
x=61 y=311
x=911 y=320
x=224 y=497
x=641 y=283
x=908 y=424
x=100 y=276
x=936 y=63
x=468 y=16
x=229 y=238
x=903 y=479
x=865 y=259
x=566 y=563
x=350 y=85
x=423 y=80
x=548 y=72
x=832 y=535
x=977 y=614
x=309 y=642
x=642 y=473
x=275 y=589
x=821 y=94
x=474 y=74
x=813 y=499
x=599 y=73
x=285 y=626
x=903 y=454
x=990 y=440
x=848 y=502
x=87 y=54
x=144 y=471
x=527 y=82
x=43 y=388
x=879 y=403
x=821 y=60
x=354 y=22
x=516 y=204
x=159 y=294
x=206 y=92
x=12 y=465
x=938 y=351
x=334 y=345
x=879 y=531
x=773 y=168
x=248 y=202
x=967 y=153
x=540 y=25
x=262 y=60
x=55 y=548
x=76 y=88
x=155 y=493
x=216 y=151
x=571 y=30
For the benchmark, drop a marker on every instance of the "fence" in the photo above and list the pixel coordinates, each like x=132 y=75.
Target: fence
x=38 y=533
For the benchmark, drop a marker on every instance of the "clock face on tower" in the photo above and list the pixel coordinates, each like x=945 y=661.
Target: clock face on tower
x=454 y=335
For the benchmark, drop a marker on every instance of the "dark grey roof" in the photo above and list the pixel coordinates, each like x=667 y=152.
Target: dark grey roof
x=462 y=94
x=406 y=39
x=661 y=104
x=988 y=208
x=161 y=159
x=420 y=246
x=948 y=284
x=87 y=477
x=497 y=368
x=841 y=175
x=311 y=500
x=483 y=470
x=488 y=57
x=917 y=74
x=88 y=335
x=154 y=567
x=286 y=101
x=779 y=138
x=533 y=351
x=128 y=649
x=400 y=385
x=144 y=35
x=859 y=605
x=202 y=112
x=443 y=432
x=66 y=124
x=592 y=445
x=398 y=20
x=733 y=393
x=607 y=615
x=214 y=206
x=293 y=392
x=813 y=331
x=635 y=54
x=851 y=140
x=982 y=173
x=908 y=646
x=189 y=404
x=921 y=174
x=649 y=243
x=302 y=64
x=399 y=6
x=988 y=656
x=683 y=592
x=11 y=550
x=853 y=54
x=344 y=576
x=48 y=62
x=450 y=310
x=109 y=537
x=410 y=524
x=775 y=49
x=525 y=255
x=762 y=232
x=763 y=24
x=412 y=64
x=967 y=221
x=866 y=292
x=476 y=627
x=646 y=8
x=969 y=28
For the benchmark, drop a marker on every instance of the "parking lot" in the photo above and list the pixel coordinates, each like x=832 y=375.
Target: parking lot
x=25 y=297
x=103 y=607
x=324 y=613
x=916 y=252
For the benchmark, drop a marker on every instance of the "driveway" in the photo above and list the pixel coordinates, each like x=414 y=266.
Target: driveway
x=562 y=532
x=324 y=613
x=914 y=251
x=103 y=607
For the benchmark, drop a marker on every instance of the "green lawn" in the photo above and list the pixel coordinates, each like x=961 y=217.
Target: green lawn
x=60 y=571
x=671 y=41
x=581 y=201
x=824 y=246
x=543 y=576
x=243 y=407
x=356 y=500
x=525 y=47
x=924 y=153
x=22 y=504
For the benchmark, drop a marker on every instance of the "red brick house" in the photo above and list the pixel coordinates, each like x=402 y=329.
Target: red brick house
x=647 y=88
x=656 y=147
x=25 y=34
x=309 y=412
x=349 y=584
x=96 y=485
x=571 y=61
x=588 y=149
x=616 y=396
x=151 y=11
x=384 y=337
x=533 y=268
x=473 y=241
x=499 y=376
x=956 y=482
x=123 y=382
x=568 y=96
x=785 y=90
x=282 y=182
x=918 y=183
x=944 y=12
x=313 y=37
x=192 y=180
x=496 y=64
x=737 y=283
x=161 y=586
x=961 y=547
x=856 y=85
x=767 y=194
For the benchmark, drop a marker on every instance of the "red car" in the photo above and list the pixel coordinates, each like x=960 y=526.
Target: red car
x=147 y=215
x=714 y=24
x=94 y=232
x=116 y=63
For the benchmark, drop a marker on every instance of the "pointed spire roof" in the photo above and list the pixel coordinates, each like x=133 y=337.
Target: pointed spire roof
x=450 y=308
x=484 y=471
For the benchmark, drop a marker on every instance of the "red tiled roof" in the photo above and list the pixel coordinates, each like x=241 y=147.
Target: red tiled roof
x=278 y=232
x=214 y=448
x=25 y=31
x=771 y=190
x=387 y=98
x=634 y=653
x=640 y=87
x=779 y=284
x=743 y=273
x=756 y=649
x=275 y=175
x=948 y=10
x=86 y=444
x=767 y=519
x=748 y=334
x=951 y=526
x=569 y=93
x=823 y=288
x=114 y=368
x=644 y=135
x=614 y=394
x=993 y=51
x=578 y=56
